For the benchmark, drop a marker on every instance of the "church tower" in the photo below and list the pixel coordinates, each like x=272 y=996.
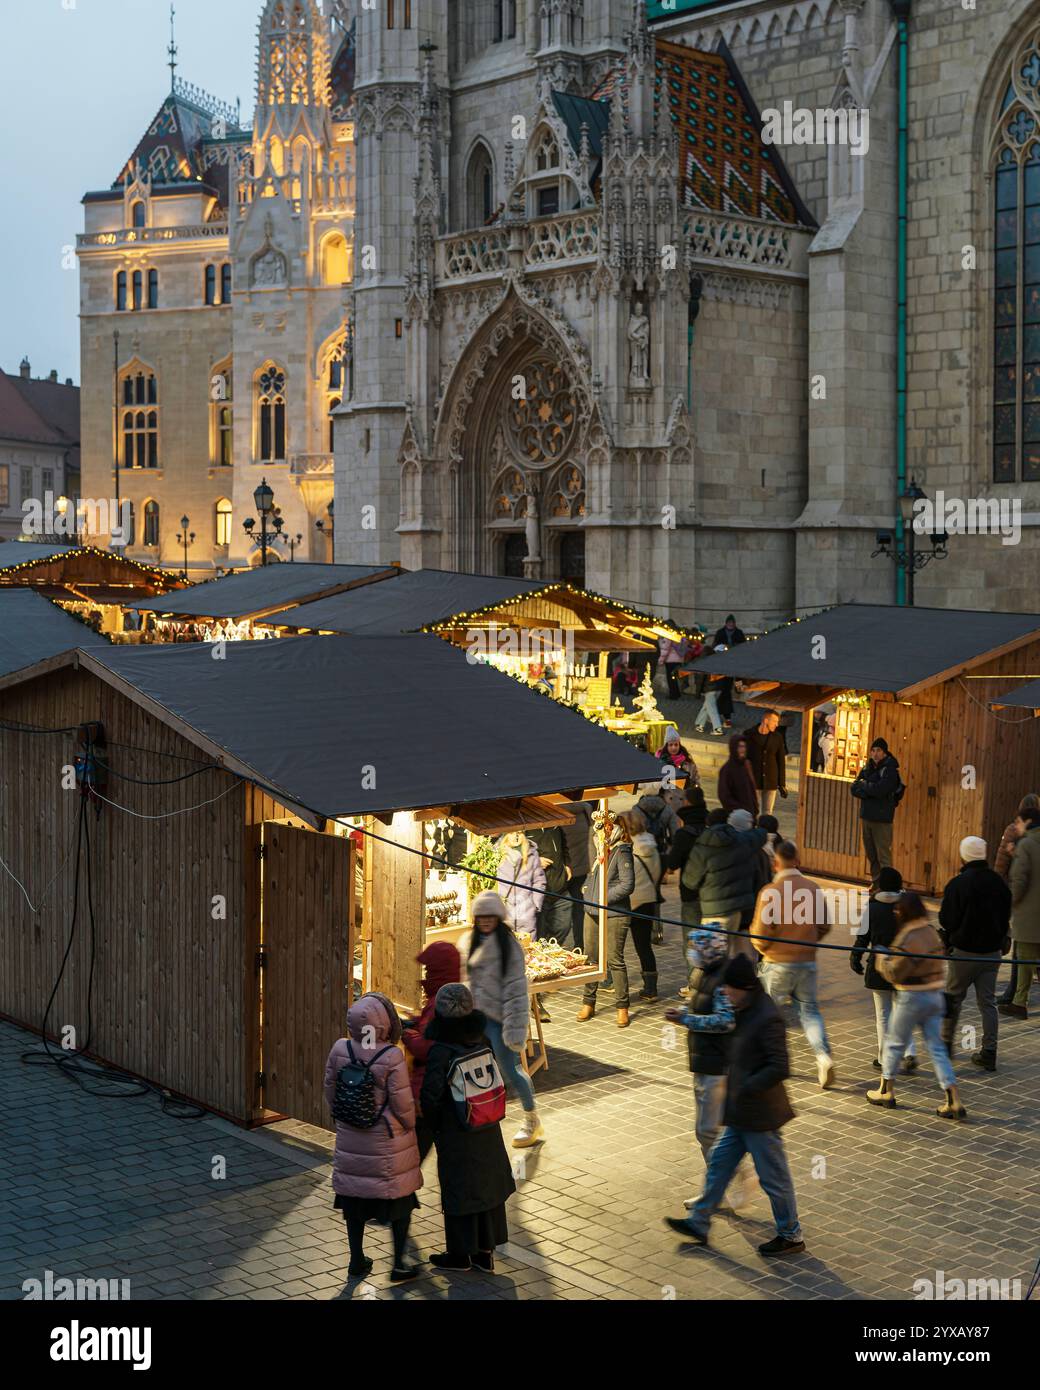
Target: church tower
x=293 y=249
x=393 y=45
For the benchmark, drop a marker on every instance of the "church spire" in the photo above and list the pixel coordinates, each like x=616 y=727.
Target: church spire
x=172 y=49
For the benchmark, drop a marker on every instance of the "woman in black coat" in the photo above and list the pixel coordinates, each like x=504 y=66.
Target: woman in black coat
x=472 y=1164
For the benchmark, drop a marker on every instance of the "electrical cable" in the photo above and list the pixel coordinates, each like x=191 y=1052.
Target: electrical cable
x=166 y=815
x=10 y=872
x=160 y=782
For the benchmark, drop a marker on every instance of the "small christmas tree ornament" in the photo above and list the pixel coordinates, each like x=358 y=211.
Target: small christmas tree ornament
x=646 y=701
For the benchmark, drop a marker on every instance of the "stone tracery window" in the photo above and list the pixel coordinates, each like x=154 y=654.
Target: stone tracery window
x=270 y=410
x=139 y=418
x=1016 y=308
x=540 y=425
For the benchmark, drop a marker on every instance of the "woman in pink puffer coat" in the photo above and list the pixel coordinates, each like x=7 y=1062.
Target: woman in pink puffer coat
x=376 y=1172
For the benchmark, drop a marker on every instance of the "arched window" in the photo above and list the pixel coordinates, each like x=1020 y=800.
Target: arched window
x=336 y=260
x=151 y=523
x=225 y=283
x=140 y=420
x=211 y=284
x=137 y=214
x=138 y=290
x=334 y=404
x=128 y=523
x=222 y=416
x=1016 y=248
x=222 y=516
x=153 y=289
x=514 y=553
x=121 y=291
x=572 y=558
x=270 y=414
x=480 y=180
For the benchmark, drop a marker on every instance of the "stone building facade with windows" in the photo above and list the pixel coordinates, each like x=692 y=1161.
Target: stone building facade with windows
x=590 y=324
x=39 y=455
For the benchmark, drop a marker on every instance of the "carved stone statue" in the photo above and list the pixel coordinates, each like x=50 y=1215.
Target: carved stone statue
x=639 y=344
x=533 y=529
x=269 y=270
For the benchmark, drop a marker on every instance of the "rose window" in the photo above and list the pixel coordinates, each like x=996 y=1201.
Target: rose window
x=541 y=425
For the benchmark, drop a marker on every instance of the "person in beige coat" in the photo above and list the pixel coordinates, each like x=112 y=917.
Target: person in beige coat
x=793 y=910
x=915 y=967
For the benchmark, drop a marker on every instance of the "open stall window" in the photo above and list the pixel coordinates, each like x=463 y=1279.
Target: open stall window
x=840 y=737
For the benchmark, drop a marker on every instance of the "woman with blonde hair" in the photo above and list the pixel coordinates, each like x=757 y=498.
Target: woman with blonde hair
x=521 y=880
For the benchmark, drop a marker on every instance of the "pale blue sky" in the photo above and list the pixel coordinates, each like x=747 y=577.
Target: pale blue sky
x=82 y=81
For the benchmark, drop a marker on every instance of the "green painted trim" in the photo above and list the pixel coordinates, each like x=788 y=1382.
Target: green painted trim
x=901 y=287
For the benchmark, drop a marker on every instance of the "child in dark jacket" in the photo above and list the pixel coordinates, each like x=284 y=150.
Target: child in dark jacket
x=443 y=967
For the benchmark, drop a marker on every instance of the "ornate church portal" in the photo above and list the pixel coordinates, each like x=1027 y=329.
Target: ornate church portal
x=515 y=495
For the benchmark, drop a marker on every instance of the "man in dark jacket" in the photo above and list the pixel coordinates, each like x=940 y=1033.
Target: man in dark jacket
x=767 y=754
x=974 y=923
x=737 y=780
x=756 y=1109
x=707 y=954
x=555 y=914
x=721 y=870
x=729 y=634
x=578 y=839
x=877 y=788
x=693 y=818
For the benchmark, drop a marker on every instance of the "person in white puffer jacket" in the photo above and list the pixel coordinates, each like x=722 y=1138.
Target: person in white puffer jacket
x=496 y=973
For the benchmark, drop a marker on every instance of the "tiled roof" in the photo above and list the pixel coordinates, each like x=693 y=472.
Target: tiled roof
x=20 y=421
x=723 y=164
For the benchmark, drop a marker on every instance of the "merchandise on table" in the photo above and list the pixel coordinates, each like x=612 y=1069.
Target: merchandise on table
x=548 y=960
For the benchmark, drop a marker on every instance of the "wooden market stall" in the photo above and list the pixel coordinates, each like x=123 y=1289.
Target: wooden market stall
x=256 y=835
x=923 y=679
x=550 y=634
x=86 y=581
x=229 y=607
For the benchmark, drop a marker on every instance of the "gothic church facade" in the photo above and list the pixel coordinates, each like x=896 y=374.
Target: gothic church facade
x=590 y=324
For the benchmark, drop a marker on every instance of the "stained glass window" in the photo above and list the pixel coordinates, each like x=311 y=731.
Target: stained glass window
x=1016 y=273
x=271 y=414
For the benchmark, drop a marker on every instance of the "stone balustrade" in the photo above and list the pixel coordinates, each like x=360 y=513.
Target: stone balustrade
x=130 y=236
x=483 y=252
x=740 y=241
x=574 y=237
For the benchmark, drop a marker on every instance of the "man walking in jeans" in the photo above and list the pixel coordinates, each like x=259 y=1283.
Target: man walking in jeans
x=793 y=909
x=975 y=924
x=756 y=1109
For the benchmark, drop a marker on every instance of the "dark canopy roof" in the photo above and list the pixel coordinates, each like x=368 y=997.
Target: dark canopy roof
x=13 y=553
x=413 y=601
x=316 y=719
x=1025 y=697
x=33 y=629
x=874 y=647
x=262 y=590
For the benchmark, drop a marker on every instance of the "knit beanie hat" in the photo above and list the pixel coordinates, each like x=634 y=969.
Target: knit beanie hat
x=453 y=1001
x=972 y=847
x=740 y=973
x=889 y=880
x=741 y=819
x=489 y=905
x=671 y=735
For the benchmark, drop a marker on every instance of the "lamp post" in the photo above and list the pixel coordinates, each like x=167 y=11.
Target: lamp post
x=911 y=559
x=185 y=539
x=292 y=544
x=264 y=499
x=329 y=528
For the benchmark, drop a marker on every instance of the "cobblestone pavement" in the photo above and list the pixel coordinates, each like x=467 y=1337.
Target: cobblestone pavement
x=94 y=1188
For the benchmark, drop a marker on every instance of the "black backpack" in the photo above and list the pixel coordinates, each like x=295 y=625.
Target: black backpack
x=354 y=1100
x=658 y=829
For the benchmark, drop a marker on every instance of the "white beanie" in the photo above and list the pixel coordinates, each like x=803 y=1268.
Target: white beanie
x=741 y=819
x=489 y=905
x=671 y=735
x=972 y=847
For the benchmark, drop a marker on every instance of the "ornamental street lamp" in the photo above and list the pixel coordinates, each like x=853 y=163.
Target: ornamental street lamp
x=911 y=559
x=293 y=545
x=329 y=528
x=264 y=499
x=185 y=538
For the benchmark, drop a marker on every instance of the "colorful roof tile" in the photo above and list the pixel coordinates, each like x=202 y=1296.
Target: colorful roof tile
x=724 y=166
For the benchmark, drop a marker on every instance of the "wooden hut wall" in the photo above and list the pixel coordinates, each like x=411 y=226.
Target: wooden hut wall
x=396 y=906
x=172 y=981
x=1002 y=747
